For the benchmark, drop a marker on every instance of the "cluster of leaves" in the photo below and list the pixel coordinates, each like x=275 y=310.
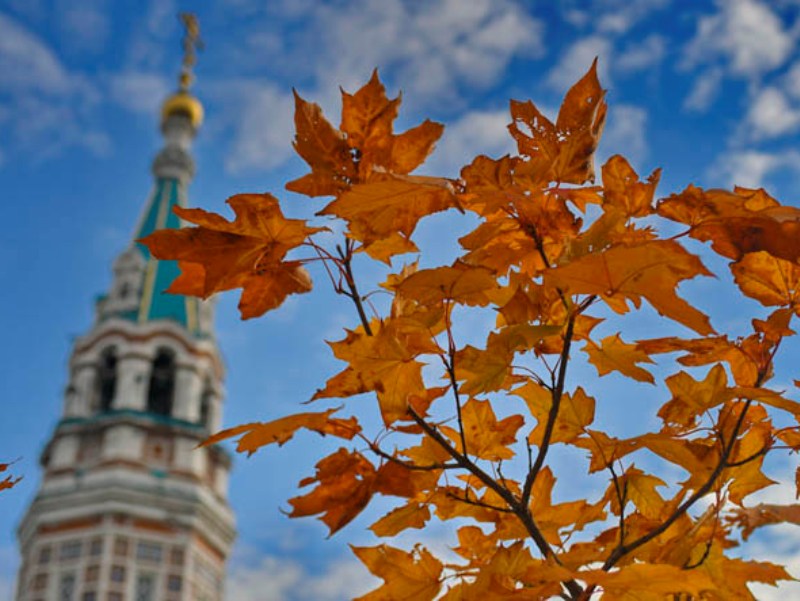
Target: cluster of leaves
x=9 y=481
x=552 y=256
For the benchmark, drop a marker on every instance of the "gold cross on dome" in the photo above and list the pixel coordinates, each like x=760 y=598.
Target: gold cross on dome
x=191 y=44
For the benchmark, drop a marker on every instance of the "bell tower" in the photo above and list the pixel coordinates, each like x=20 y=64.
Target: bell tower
x=129 y=509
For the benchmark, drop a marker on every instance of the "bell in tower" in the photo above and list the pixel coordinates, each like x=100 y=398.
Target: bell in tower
x=129 y=509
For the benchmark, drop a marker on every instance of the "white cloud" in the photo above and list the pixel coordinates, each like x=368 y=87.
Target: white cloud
x=281 y=579
x=46 y=106
x=625 y=132
x=476 y=132
x=746 y=35
x=771 y=115
x=620 y=16
x=85 y=25
x=27 y=64
x=704 y=90
x=138 y=91
x=643 y=55
x=576 y=61
x=154 y=37
x=260 y=116
x=434 y=48
x=750 y=168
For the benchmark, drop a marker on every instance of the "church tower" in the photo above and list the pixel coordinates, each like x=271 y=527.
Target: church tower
x=129 y=509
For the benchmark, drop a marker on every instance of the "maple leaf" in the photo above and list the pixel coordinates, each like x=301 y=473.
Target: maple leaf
x=259 y=434
x=385 y=363
x=247 y=253
x=391 y=206
x=406 y=575
x=703 y=351
x=487 y=438
x=623 y=190
x=575 y=414
x=691 y=398
x=344 y=487
x=324 y=148
x=8 y=481
x=637 y=582
x=615 y=355
x=410 y=515
x=763 y=514
x=562 y=151
x=640 y=488
x=768 y=279
x=738 y=222
x=462 y=283
x=651 y=270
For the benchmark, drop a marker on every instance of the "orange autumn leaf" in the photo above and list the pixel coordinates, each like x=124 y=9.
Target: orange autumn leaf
x=768 y=279
x=623 y=190
x=391 y=206
x=738 y=222
x=344 y=487
x=324 y=148
x=410 y=515
x=615 y=355
x=406 y=574
x=486 y=437
x=649 y=582
x=703 y=351
x=651 y=270
x=246 y=253
x=763 y=514
x=385 y=363
x=562 y=151
x=467 y=284
x=641 y=490
x=8 y=481
x=575 y=414
x=259 y=434
x=692 y=398
x=365 y=142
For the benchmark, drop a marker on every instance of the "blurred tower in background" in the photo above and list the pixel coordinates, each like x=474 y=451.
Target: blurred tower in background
x=128 y=508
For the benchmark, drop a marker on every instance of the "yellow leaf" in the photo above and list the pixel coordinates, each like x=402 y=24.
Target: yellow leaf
x=641 y=490
x=259 y=434
x=486 y=437
x=344 y=487
x=615 y=355
x=768 y=279
x=406 y=574
x=575 y=413
x=392 y=206
x=462 y=283
x=623 y=190
x=411 y=515
x=562 y=152
x=639 y=581
x=651 y=270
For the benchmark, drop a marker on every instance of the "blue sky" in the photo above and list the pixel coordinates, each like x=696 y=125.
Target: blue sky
x=710 y=91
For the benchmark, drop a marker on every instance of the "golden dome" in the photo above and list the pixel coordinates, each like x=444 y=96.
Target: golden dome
x=183 y=103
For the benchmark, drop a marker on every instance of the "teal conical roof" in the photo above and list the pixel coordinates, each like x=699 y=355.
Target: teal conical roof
x=154 y=302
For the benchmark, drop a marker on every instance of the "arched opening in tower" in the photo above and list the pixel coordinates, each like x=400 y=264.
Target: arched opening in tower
x=107 y=379
x=162 y=383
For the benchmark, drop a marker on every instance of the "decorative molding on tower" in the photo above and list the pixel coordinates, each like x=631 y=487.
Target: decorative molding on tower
x=129 y=508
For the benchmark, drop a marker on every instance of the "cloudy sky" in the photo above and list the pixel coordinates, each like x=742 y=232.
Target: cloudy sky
x=710 y=91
